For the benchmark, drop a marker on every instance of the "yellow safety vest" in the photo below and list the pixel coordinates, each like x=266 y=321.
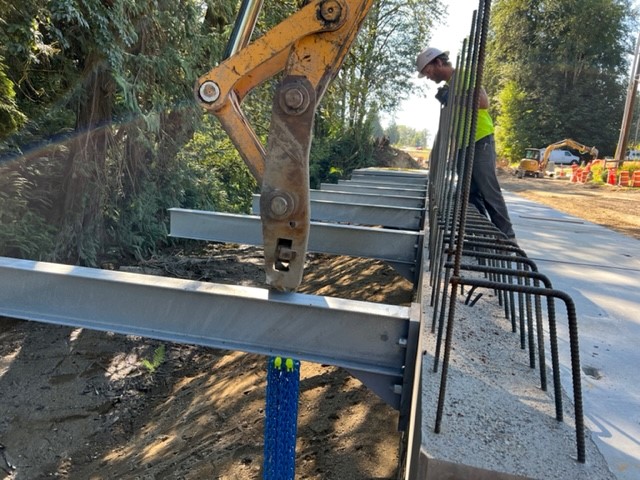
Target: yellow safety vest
x=484 y=125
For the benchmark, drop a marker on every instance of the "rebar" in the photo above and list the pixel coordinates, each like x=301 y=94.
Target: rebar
x=457 y=230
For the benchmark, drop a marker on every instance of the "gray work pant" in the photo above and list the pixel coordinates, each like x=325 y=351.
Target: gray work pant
x=485 y=191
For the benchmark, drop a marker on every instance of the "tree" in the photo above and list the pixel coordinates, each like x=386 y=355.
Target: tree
x=375 y=77
x=377 y=71
x=107 y=91
x=411 y=137
x=562 y=75
x=393 y=133
x=106 y=134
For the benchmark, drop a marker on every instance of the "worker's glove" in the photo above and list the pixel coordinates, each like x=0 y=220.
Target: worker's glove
x=443 y=94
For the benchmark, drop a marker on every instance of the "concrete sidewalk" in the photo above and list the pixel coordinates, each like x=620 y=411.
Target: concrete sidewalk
x=600 y=269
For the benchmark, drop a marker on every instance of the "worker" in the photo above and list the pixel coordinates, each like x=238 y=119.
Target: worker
x=485 y=193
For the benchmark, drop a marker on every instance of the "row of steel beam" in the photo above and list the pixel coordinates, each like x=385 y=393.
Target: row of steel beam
x=378 y=214
x=381 y=219
x=375 y=342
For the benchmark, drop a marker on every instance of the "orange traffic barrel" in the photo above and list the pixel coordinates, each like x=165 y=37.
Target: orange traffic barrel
x=623 y=179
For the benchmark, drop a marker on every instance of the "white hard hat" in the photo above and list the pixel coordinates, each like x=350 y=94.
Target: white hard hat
x=427 y=56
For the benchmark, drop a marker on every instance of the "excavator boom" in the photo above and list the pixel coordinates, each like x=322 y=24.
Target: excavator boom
x=567 y=142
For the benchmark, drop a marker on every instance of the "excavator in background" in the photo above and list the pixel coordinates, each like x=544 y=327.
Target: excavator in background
x=530 y=163
x=309 y=47
x=536 y=161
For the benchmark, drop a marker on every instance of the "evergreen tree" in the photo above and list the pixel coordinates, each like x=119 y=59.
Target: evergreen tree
x=556 y=69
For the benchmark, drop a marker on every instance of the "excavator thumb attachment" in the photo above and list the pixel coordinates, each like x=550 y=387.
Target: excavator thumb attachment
x=284 y=200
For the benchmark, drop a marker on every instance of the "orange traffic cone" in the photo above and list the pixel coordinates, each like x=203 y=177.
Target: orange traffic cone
x=611 y=178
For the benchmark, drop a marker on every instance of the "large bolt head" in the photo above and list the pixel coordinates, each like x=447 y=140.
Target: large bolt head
x=330 y=11
x=209 y=91
x=279 y=205
x=293 y=98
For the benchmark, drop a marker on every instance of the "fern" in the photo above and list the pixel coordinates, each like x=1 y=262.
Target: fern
x=157 y=360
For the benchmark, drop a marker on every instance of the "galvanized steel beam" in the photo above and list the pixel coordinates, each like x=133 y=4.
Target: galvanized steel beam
x=400 y=248
x=355 y=188
x=418 y=180
x=411 y=172
x=359 y=336
x=388 y=184
x=382 y=182
x=368 y=199
x=360 y=214
x=409 y=175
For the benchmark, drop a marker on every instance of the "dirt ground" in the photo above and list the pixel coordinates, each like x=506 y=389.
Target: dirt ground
x=80 y=404
x=614 y=207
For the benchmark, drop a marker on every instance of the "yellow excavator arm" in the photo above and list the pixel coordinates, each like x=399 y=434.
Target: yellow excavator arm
x=567 y=142
x=309 y=46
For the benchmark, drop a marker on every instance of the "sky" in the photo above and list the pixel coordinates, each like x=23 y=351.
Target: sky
x=423 y=113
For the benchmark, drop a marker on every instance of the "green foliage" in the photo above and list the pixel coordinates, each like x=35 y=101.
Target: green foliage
x=214 y=176
x=107 y=91
x=376 y=74
x=598 y=174
x=558 y=79
x=375 y=77
x=26 y=235
x=516 y=109
x=10 y=117
x=634 y=133
x=337 y=156
x=25 y=230
x=157 y=360
x=138 y=226
x=393 y=133
x=629 y=167
x=100 y=131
